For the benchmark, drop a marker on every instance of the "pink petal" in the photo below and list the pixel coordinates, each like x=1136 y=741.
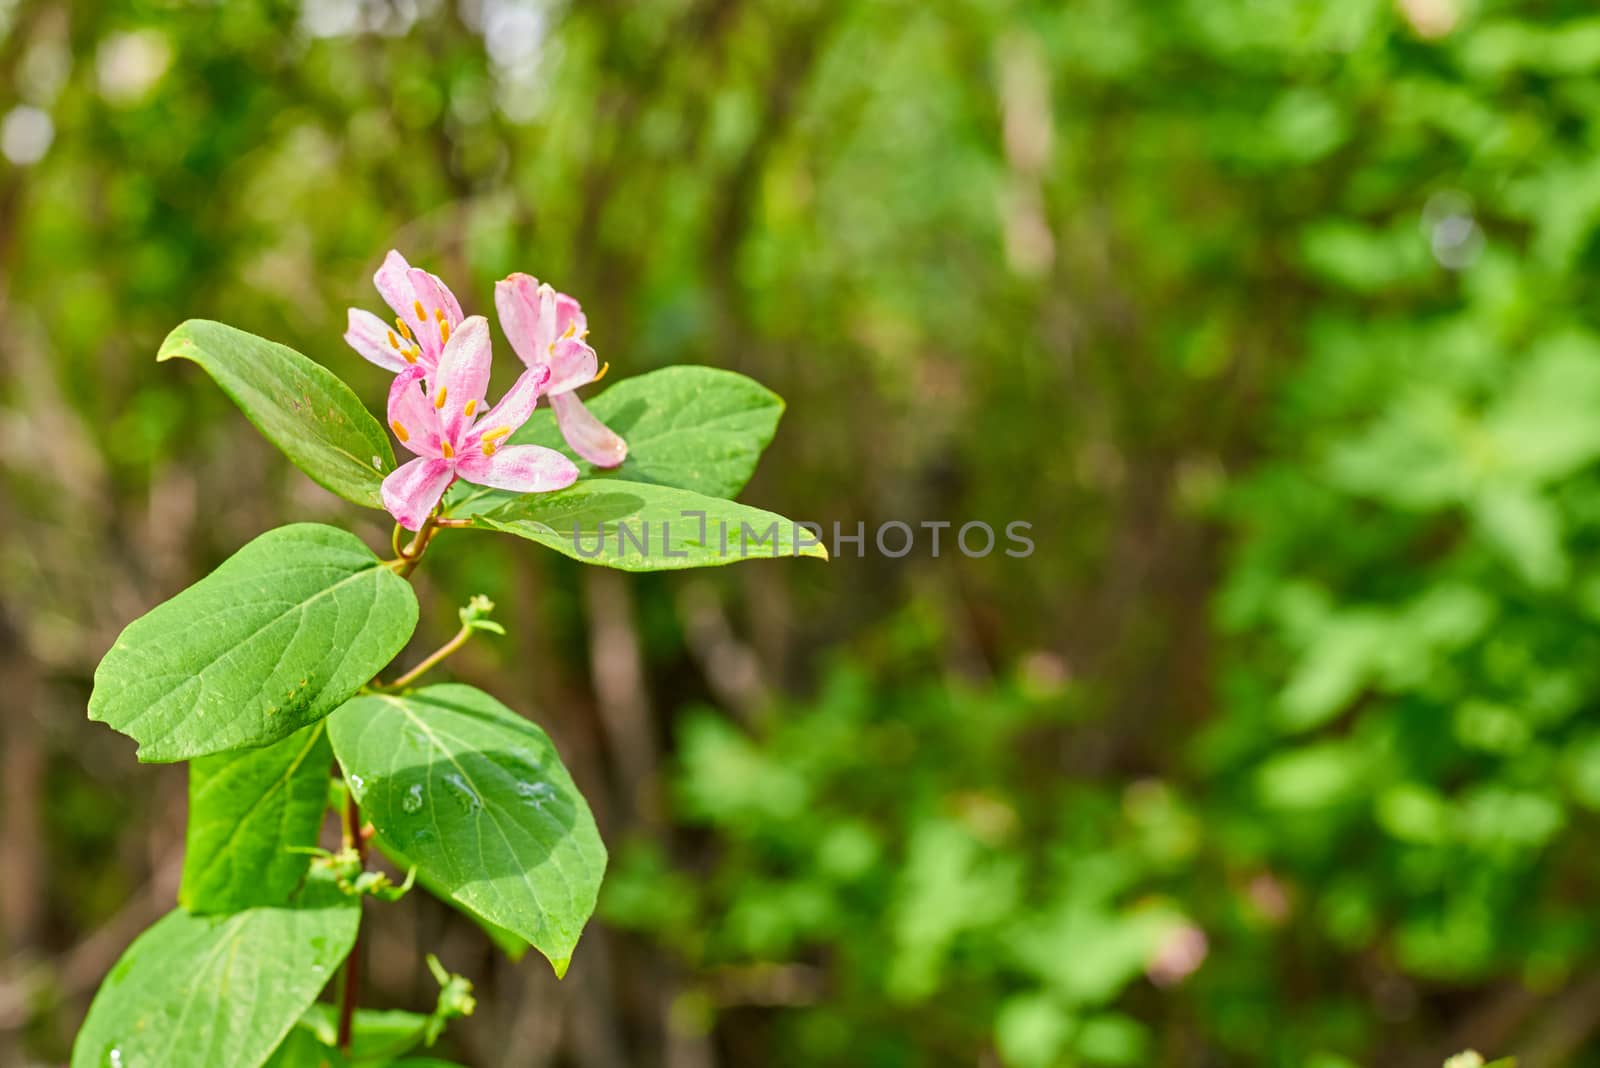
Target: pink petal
x=418 y=297
x=513 y=410
x=519 y=468
x=395 y=287
x=588 y=436
x=572 y=364
x=518 y=298
x=412 y=416
x=371 y=336
x=435 y=295
x=463 y=377
x=412 y=490
x=569 y=316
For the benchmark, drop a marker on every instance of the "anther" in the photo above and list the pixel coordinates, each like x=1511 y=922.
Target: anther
x=444 y=331
x=438 y=402
x=472 y=406
x=394 y=342
x=399 y=430
x=405 y=330
x=598 y=375
x=446 y=448
x=422 y=316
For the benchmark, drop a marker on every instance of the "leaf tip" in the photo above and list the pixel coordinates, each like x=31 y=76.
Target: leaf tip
x=177 y=345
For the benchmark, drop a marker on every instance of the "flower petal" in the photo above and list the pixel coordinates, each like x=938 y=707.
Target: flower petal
x=588 y=436
x=435 y=296
x=412 y=416
x=458 y=386
x=418 y=298
x=411 y=490
x=570 y=317
x=514 y=408
x=395 y=287
x=519 y=298
x=376 y=340
x=572 y=364
x=519 y=468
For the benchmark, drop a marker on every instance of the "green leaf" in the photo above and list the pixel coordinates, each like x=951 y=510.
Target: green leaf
x=638 y=527
x=377 y=1036
x=477 y=798
x=247 y=812
x=694 y=428
x=302 y=1050
x=199 y=991
x=277 y=637
x=302 y=407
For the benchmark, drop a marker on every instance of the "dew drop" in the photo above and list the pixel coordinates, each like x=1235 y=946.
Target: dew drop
x=356 y=782
x=537 y=792
x=464 y=792
x=115 y=1057
x=412 y=800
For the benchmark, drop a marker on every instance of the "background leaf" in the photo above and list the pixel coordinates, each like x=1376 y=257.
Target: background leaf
x=246 y=810
x=200 y=991
x=302 y=407
x=277 y=637
x=637 y=527
x=477 y=797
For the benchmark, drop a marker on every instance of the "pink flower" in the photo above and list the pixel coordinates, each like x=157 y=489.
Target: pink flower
x=426 y=313
x=444 y=425
x=547 y=329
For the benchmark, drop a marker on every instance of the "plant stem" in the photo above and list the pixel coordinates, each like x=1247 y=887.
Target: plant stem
x=433 y=658
x=412 y=553
x=350 y=988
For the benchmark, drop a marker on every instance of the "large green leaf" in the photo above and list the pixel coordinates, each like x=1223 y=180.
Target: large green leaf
x=277 y=637
x=302 y=407
x=638 y=527
x=695 y=428
x=248 y=810
x=201 y=991
x=477 y=798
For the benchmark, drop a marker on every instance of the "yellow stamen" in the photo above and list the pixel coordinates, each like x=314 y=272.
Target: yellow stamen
x=410 y=354
x=598 y=375
x=572 y=329
x=472 y=406
x=422 y=316
x=405 y=331
x=496 y=434
x=445 y=447
x=394 y=342
x=444 y=330
x=400 y=431
x=438 y=402
x=438 y=313
x=488 y=448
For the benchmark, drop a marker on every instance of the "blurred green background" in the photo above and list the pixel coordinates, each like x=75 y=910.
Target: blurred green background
x=1277 y=319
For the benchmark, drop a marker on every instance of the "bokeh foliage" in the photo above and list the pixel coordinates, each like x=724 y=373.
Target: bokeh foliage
x=1276 y=320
